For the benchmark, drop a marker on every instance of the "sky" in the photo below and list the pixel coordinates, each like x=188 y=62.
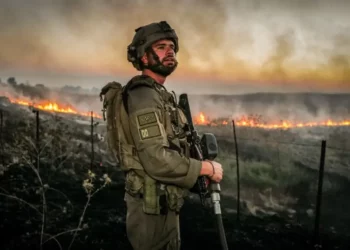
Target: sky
x=226 y=47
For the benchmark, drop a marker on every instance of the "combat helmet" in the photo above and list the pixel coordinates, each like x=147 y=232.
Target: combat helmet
x=145 y=36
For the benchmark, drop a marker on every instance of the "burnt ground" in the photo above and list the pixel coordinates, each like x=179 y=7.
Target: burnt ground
x=104 y=223
x=64 y=163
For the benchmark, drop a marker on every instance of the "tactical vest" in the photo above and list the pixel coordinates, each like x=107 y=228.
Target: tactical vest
x=119 y=139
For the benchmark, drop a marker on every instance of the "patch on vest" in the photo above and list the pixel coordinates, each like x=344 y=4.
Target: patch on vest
x=150 y=132
x=148 y=118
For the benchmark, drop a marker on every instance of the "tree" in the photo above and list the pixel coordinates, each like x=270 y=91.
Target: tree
x=12 y=81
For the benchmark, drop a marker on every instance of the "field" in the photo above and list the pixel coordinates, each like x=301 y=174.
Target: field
x=279 y=173
x=50 y=200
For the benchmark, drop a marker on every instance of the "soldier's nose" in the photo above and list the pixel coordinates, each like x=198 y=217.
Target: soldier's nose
x=170 y=52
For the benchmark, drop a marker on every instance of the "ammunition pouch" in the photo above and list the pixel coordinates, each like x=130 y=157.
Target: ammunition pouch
x=133 y=183
x=150 y=196
x=175 y=197
x=147 y=189
x=157 y=198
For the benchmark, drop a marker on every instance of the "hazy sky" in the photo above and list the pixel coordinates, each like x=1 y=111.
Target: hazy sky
x=231 y=46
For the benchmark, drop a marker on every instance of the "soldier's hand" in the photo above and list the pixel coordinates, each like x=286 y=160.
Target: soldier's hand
x=217 y=172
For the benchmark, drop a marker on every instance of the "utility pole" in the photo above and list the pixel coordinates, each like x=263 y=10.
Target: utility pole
x=319 y=194
x=92 y=140
x=36 y=111
x=1 y=140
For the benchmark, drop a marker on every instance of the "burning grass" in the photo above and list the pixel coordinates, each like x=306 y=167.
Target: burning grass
x=257 y=121
x=53 y=106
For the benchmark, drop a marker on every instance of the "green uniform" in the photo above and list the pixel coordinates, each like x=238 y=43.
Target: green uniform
x=156 y=126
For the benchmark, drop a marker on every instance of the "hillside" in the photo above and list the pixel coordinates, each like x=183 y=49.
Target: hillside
x=279 y=171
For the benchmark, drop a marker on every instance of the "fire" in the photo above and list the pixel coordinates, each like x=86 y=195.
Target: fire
x=200 y=119
x=53 y=106
x=256 y=121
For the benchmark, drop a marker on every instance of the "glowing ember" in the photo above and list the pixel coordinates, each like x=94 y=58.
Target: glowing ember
x=256 y=121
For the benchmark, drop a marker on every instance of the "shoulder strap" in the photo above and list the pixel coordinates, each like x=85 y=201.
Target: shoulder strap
x=134 y=83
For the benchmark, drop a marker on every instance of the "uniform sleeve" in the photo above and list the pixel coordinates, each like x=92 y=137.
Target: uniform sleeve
x=148 y=132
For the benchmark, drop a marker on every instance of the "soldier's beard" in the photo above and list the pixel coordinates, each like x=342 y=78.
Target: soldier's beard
x=161 y=69
x=158 y=66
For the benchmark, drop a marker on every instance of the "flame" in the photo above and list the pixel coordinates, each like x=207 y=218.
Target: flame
x=200 y=119
x=256 y=121
x=52 y=106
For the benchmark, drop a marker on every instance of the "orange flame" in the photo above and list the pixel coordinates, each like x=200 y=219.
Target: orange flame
x=200 y=119
x=255 y=121
x=53 y=106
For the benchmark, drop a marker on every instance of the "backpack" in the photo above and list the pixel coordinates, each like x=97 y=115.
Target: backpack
x=115 y=113
x=120 y=144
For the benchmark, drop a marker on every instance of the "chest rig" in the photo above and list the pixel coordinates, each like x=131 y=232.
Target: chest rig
x=157 y=197
x=174 y=122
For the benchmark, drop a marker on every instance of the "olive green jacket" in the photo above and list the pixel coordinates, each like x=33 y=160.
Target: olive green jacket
x=151 y=133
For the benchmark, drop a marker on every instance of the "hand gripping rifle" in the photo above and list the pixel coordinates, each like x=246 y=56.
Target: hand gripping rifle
x=204 y=148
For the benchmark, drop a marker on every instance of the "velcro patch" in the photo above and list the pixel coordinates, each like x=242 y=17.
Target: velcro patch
x=148 y=118
x=150 y=132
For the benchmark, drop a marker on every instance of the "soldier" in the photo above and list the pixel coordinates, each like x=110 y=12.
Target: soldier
x=154 y=193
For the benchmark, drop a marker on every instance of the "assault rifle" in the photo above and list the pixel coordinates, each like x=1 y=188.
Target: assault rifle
x=205 y=148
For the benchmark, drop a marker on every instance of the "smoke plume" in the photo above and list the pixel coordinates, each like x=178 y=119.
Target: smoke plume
x=300 y=44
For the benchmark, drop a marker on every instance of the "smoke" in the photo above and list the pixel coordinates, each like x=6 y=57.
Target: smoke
x=21 y=36
x=273 y=107
x=82 y=100
x=51 y=33
x=269 y=107
x=299 y=43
